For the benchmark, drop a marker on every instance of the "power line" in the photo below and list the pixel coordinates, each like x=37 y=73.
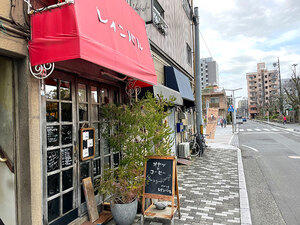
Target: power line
x=205 y=44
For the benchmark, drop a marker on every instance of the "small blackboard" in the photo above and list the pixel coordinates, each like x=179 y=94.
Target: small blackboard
x=52 y=160
x=66 y=157
x=159 y=173
x=160 y=182
x=87 y=143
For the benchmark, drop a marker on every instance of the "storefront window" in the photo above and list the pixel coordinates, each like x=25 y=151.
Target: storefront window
x=59 y=160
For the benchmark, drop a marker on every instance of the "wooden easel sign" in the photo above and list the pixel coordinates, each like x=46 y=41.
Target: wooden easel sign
x=160 y=182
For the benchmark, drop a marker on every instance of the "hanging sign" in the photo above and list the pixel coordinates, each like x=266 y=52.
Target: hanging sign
x=87 y=143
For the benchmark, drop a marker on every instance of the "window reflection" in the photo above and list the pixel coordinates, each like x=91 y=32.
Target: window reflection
x=96 y=167
x=53 y=184
x=67 y=202
x=67 y=180
x=84 y=170
x=65 y=90
x=83 y=112
x=95 y=113
x=82 y=96
x=66 y=112
x=94 y=94
x=104 y=96
x=52 y=111
x=53 y=209
x=51 y=88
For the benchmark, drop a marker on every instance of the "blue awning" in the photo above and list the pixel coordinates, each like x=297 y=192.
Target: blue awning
x=177 y=81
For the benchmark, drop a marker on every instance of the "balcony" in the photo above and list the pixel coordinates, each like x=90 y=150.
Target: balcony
x=159 y=22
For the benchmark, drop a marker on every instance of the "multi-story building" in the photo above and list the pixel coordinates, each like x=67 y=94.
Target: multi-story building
x=209 y=72
x=242 y=109
x=215 y=97
x=263 y=86
x=92 y=54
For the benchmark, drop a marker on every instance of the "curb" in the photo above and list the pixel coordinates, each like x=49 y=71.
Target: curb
x=244 y=202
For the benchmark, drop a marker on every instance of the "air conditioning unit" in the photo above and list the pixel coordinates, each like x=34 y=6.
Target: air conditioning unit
x=184 y=150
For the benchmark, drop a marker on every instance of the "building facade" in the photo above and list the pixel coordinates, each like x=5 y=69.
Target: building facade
x=242 y=109
x=215 y=97
x=263 y=87
x=171 y=43
x=41 y=118
x=209 y=72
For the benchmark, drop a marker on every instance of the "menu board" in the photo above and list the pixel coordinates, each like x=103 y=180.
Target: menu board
x=159 y=176
x=160 y=182
x=87 y=143
x=66 y=157
x=52 y=160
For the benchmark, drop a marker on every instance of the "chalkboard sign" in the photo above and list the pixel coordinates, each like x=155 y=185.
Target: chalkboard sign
x=159 y=173
x=160 y=182
x=66 y=157
x=87 y=143
x=52 y=160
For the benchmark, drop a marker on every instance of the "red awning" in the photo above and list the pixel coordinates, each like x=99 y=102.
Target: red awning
x=108 y=33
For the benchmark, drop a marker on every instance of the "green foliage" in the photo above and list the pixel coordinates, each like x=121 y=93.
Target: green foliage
x=228 y=118
x=274 y=117
x=136 y=131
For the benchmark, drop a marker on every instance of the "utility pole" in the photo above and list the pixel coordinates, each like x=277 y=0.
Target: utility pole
x=280 y=87
x=199 y=119
x=234 y=108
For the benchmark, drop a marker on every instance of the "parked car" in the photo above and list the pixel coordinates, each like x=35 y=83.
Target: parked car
x=239 y=120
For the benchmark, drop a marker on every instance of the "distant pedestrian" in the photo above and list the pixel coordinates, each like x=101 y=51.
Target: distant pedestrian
x=221 y=122
x=284 y=120
x=224 y=121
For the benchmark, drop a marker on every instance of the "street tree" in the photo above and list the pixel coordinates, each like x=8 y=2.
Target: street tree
x=292 y=94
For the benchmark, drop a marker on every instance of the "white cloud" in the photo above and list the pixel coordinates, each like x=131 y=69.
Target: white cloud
x=242 y=33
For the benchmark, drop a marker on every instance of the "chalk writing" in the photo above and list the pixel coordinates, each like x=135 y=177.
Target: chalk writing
x=52 y=160
x=66 y=157
x=159 y=176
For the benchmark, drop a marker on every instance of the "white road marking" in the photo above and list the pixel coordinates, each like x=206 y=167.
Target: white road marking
x=266 y=129
x=249 y=129
x=241 y=130
x=254 y=149
x=263 y=132
x=294 y=157
x=257 y=129
x=275 y=129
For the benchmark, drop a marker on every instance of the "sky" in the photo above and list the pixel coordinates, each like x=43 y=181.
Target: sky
x=242 y=33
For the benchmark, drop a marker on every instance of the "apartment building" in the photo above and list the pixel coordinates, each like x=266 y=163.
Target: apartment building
x=215 y=97
x=209 y=72
x=242 y=109
x=263 y=85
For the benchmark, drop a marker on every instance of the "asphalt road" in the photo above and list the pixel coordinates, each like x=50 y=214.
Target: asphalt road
x=271 y=158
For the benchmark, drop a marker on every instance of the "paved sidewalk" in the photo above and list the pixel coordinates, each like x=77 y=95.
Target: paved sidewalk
x=211 y=189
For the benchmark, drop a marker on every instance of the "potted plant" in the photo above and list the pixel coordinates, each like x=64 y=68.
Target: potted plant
x=135 y=130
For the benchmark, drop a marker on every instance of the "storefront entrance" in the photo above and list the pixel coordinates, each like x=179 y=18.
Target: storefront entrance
x=71 y=103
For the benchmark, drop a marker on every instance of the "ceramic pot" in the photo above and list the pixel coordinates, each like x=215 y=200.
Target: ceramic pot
x=124 y=214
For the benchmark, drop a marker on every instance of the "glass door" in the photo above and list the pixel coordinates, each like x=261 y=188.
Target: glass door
x=91 y=97
x=60 y=150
